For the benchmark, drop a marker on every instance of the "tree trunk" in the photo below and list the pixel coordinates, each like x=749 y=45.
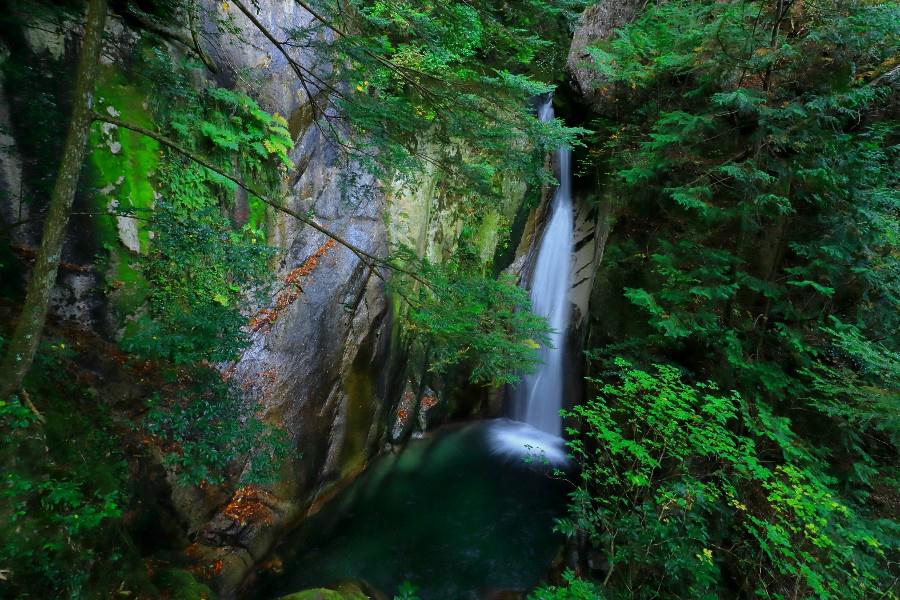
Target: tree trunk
x=24 y=343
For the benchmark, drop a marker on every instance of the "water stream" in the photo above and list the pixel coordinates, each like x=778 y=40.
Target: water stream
x=538 y=398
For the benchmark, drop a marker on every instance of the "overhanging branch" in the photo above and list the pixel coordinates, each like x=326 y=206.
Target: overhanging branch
x=366 y=257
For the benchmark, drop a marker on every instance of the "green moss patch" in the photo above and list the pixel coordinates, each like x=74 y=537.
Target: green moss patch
x=350 y=592
x=360 y=389
x=123 y=166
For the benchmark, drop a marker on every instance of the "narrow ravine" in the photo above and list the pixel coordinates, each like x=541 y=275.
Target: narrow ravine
x=454 y=300
x=467 y=512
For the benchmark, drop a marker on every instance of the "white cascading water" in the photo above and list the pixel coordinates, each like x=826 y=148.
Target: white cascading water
x=537 y=399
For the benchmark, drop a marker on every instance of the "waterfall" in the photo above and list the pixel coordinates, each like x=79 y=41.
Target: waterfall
x=538 y=398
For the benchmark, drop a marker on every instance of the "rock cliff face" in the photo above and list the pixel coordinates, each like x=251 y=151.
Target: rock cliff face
x=72 y=298
x=299 y=372
x=598 y=23
x=322 y=369
x=595 y=206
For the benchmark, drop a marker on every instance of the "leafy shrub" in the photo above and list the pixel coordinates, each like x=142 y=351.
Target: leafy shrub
x=62 y=489
x=756 y=146
x=207 y=432
x=683 y=504
x=464 y=318
x=573 y=588
x=202 y=270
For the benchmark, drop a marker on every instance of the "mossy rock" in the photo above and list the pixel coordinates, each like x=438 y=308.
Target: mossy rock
x=345 y=592
x=123 y=163
x=179 y=584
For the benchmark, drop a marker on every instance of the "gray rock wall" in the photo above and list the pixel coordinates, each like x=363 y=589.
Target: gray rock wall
x=322 y=369
x=598 y=24
x=73 y=298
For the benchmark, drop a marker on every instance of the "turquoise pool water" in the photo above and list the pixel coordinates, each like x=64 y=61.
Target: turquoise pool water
x=464 y=513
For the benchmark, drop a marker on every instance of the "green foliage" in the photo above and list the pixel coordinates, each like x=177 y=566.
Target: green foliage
x=573 y=589
x=209 y=433
x=758 y=249
x=61 y=492
x=70 y=499
x=407 y=69
x=179 y=584
x=407 y=591
x=482 y=323
x=767 y=146
x=51 y=522
x=200 y=268
x=674 y=497
x=200 y=264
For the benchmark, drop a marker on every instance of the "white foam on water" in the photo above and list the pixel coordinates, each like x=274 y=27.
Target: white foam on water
x=519 y=440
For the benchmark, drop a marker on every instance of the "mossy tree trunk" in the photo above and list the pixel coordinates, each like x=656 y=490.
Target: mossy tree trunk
x=26 y=337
